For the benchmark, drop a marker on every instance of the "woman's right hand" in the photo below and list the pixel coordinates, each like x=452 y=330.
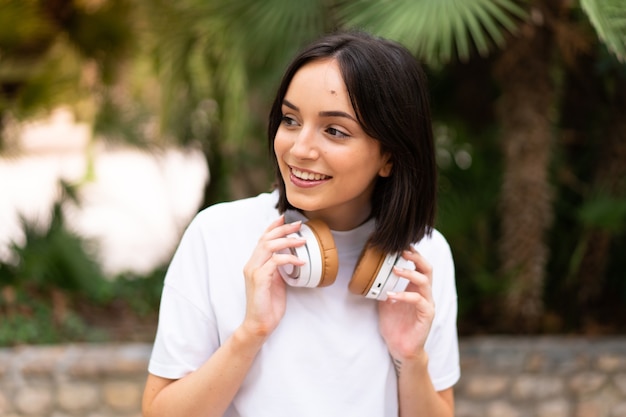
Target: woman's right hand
x=265 y=288
x=209 y=390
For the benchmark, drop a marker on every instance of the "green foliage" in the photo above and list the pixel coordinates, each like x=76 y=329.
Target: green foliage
x=54 y=279
x=142 y=293
x=608 y=18
x=28 y=319
x=53 y=257
x=23 y=28
x=230 y=53
x=60 y=53
x=31 y=74
x=208 y=69
x=467 y=217
x=604 y=211
x=438 y=31
x=123 y=122
x=103 y=33
x=293 y=24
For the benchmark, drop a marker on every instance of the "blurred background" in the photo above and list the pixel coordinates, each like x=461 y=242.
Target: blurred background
x=120 y=119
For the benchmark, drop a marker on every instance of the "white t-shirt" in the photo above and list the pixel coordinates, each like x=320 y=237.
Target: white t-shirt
x=326 y=357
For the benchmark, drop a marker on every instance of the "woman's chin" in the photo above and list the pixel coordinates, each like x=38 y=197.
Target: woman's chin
x=302 y=204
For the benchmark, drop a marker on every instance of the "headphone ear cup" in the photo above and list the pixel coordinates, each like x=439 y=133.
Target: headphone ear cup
x=327 y=252
x=366 y=270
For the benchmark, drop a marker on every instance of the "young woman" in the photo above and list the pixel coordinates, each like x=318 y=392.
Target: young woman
x=240 y=334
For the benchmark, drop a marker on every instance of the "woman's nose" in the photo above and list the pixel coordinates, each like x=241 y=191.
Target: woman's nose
x=305 y=144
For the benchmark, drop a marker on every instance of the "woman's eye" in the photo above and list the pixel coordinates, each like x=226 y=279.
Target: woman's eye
x=288 y=121
x=336 y=132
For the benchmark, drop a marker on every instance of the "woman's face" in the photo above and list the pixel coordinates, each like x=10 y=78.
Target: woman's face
x=328 y=163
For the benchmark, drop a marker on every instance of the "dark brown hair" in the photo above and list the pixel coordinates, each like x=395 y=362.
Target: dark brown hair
x=388 y=91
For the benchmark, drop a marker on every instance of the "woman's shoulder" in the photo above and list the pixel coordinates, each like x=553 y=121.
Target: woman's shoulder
x=435 y=247
x=433 y=240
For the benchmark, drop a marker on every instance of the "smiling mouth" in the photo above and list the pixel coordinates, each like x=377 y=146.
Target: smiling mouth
x=308 y=176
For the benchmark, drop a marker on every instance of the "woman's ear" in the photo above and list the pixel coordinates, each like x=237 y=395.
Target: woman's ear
x=385 y=170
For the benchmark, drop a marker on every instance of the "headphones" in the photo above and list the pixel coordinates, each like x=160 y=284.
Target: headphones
x=373 y=275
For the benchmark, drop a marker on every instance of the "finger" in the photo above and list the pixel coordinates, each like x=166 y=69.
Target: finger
x=422 y=303
x=279 y=236
x=282 y=243
x=279 y=228
x=281 y=259
x=421 y=264
x=268 y=272
x=413 y=276
x=418 y=282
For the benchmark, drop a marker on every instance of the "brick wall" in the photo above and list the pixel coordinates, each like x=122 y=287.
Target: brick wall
x=502 y=377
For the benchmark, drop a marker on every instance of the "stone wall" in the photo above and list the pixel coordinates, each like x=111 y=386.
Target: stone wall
x=542 y=377
x=502 y=377
x=73 y=380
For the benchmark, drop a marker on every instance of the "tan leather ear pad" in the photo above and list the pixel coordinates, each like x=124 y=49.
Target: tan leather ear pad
x=366 y=270
x=330 y=259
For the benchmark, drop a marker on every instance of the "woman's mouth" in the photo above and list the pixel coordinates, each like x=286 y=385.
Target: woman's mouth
x=307 y=175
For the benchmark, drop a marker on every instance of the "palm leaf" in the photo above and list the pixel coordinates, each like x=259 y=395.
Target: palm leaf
x=608 y=18
x=434 y=30
x=215 y=49
x=272 y=30
x=197 y=61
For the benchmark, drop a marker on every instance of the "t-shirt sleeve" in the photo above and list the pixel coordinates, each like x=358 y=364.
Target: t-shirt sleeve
x=442 y=344
x=186 y=335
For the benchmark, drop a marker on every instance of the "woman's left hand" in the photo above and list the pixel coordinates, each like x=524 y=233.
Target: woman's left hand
x=405 y=318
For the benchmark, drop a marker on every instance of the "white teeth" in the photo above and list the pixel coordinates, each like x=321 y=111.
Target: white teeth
x=309 y=176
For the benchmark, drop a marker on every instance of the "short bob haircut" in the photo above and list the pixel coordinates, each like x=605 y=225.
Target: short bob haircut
x=388 y=91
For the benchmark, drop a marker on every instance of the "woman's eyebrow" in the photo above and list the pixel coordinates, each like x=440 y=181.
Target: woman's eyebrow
x=330 y=113
x=337 y=113
x=290 y=105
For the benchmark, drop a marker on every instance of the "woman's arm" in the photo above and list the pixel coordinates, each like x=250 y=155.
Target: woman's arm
x=405 y=322
x=416 y=394
x=210 y=389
